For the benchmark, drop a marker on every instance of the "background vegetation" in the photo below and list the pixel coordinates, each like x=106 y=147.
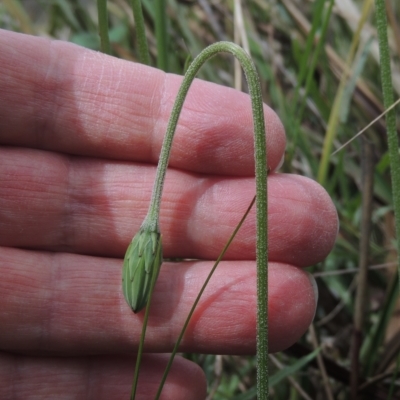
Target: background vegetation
x=319 y=65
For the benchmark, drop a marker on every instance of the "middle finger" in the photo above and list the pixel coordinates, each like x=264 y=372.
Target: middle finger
x=88 y=206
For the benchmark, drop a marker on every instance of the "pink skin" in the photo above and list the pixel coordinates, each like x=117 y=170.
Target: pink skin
x=65 y=222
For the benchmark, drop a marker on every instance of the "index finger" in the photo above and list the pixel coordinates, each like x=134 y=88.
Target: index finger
x=61 y=97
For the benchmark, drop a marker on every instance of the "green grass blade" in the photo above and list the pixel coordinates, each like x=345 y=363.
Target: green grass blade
x=387 y=90
x=304 y=63
x=161 y=34
x=335 y=113
x=292 y=369
x=103 y=26
x=376 y=335
x=16 y=9
x=394 y=377
x=141 y=40
x=186 y=324
x=310 y=70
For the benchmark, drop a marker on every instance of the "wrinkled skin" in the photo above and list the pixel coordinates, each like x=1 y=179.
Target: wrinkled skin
x=80 y=135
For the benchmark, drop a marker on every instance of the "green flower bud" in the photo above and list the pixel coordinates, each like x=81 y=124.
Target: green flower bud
x=142 y=260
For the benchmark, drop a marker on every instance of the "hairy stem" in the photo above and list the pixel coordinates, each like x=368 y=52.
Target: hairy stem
x=387 y=90
x=261 y=171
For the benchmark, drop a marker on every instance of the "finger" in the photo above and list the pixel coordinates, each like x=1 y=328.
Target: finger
x=53 y=202
x=58 y=96
x=97 y=378
x=73 y=304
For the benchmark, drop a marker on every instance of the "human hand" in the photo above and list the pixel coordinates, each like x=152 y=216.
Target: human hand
x=80 y=135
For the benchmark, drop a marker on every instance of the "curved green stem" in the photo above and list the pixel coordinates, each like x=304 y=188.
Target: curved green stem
x=261 y=170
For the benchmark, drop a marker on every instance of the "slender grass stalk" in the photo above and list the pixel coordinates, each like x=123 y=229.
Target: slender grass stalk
x=318 y=11
x=288 y=372
x=203 y=288
x=366 y=127
x=240 y=38
x=362 y=284
x=335 y=113
x=18 y=12
x=151 y=222
x=237 y=70
x=103 y=26
x=161 y=34
x=376 y=336
x=387 y=90
x=307 y=71
x=141 y=40
x=394 y=377
x=320 y=362
x=142 y=337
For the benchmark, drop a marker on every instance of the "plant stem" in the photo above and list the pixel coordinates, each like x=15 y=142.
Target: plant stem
x=387 y=90
x=142 y=337
x=185 y=325
x=161 y=34
x=367 y=165
x=103 y=26
x=261 y=171
x=141 y=40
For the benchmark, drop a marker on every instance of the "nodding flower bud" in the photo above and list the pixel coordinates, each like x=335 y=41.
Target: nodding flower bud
x=142 y=260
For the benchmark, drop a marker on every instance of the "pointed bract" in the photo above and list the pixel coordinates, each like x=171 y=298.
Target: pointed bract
x=142 y=260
